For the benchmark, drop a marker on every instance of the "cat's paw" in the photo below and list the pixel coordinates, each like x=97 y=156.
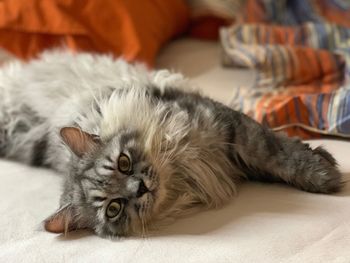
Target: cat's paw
x=323 y=175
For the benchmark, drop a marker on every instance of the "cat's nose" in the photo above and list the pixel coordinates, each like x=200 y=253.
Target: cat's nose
x=142 y=189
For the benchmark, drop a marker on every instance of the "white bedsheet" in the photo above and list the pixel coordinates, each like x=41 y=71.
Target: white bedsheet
x=264 y=223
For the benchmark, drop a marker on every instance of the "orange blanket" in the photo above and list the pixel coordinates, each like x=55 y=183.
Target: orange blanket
x=132 y=28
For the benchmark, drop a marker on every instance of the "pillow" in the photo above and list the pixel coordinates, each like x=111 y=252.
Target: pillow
x=131 y=28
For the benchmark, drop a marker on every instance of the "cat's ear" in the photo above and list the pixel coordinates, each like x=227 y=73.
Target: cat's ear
x=62 y=221
x=79 y=142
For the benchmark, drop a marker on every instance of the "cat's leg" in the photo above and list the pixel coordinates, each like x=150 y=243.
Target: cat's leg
x=4 y=119
x=22 y=135
x=267 y=156
x=3 y=133
x=29 y=138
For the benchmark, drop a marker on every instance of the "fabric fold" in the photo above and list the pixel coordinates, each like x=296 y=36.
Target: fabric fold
x=302 y=81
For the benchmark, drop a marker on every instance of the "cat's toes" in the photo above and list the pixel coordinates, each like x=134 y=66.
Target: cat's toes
x=324 y=176
x=325 y=154
x=328 y=181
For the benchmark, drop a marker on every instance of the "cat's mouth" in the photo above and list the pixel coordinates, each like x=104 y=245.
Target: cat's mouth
x=146 y=198
x=145 y=205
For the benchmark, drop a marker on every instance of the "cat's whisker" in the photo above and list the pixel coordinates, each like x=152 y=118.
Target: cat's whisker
x=228 y=143
x=164 y=155
x=143 y=229
x=141 y=216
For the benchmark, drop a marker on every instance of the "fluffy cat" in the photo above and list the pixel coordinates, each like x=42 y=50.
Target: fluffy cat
x=137 y=148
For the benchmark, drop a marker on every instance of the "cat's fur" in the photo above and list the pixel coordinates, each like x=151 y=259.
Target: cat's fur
x=188 y=150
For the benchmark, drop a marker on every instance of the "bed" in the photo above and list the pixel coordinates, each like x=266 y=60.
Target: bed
x=264 y=223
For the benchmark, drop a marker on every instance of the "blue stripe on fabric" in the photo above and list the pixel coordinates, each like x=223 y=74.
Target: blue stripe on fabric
x=319 y=109
x=302 y=11
x=309 y=109
x=321 y=35
x=339 y=111
x=247 y=54
x=296 y=107
x=330 y=111
x=344 y=107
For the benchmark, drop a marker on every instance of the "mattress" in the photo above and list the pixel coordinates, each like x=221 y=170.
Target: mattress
x=264 y=223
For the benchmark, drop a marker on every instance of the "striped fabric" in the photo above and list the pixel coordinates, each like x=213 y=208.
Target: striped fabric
x=301 y=52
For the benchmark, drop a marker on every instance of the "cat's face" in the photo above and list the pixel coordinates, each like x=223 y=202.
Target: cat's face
x=113 y=187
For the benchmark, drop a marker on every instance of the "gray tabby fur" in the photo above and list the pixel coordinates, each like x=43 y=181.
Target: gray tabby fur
x=189 y=150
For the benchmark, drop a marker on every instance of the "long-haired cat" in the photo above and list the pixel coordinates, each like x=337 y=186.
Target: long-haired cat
x=138 y=148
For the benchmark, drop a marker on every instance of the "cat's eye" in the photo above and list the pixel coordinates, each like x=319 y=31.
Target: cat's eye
x=124 y=164
x=114 y=209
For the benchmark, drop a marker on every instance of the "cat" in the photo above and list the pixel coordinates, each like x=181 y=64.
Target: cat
x=139 y=148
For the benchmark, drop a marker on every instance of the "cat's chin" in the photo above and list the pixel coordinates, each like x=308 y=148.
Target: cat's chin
x=140 y=220
x=146 y=204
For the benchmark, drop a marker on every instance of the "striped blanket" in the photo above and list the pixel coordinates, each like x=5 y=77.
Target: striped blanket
x=300 y=50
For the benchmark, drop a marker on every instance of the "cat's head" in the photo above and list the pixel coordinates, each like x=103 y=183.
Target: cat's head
x=141 y=173
x=113 y=187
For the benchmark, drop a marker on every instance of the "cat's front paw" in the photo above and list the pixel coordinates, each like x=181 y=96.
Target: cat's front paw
x=323 y=175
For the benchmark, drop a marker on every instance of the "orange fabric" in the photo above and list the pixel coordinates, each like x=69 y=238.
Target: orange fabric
x=132 y=28
x=207 y=27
